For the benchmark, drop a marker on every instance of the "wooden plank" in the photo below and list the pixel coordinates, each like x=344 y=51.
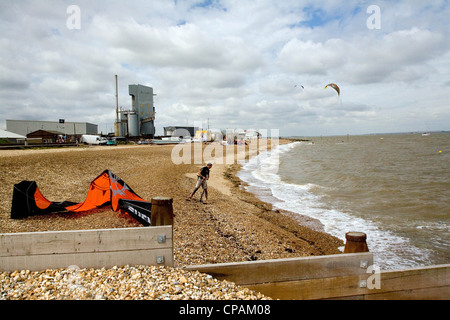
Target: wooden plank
x=279 y=270
x=432 y=282
x=437 y=293
x=54 y=242
x=86 y=260
x=86 y=248
x=414 y=283
x=332 y=277
x=311 y=289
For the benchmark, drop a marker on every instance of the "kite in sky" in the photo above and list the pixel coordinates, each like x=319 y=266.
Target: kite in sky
x=335 y=87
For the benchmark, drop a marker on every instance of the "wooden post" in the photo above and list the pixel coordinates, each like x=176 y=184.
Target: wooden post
x=162 y=211
x=356 y=242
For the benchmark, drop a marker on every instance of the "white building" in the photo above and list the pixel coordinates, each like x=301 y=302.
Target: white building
x=24 y=127
x=10 y=136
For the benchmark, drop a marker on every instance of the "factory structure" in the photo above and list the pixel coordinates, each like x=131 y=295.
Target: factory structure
x=136 y=123
x=180 y=131
x=51 y=130
x=133 y=124
x=140 y=120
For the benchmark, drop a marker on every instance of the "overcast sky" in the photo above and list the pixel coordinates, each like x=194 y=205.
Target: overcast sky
x=234 y=62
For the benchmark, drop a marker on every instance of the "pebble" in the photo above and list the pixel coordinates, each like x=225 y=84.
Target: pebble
x=120 y=283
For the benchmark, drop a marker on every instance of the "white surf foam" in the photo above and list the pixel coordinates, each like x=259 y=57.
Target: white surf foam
x=261 y=174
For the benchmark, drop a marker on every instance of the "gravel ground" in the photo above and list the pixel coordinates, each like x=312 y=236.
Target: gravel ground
x=233 y=227
x=119 y=283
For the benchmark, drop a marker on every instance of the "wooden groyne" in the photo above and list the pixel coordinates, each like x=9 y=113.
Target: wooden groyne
x=341 y=276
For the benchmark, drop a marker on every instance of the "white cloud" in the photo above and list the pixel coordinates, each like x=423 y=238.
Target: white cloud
x=310 y=58
x=400 y=56
x=235 y=62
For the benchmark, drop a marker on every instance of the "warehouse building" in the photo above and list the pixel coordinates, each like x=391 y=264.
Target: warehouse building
x=71 y=130
x=178 y=131
x=24 y=127
x=7 y=137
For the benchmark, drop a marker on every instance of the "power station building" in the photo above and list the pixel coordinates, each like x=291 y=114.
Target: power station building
x=139 y=121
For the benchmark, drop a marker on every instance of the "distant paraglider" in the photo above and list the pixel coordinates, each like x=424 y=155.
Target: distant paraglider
x=299 y=85
x=335 y=87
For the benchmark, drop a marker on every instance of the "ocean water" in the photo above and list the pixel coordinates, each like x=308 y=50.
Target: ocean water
x=395 y=188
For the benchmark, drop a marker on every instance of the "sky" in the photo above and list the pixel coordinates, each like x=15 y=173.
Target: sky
x=240 y=64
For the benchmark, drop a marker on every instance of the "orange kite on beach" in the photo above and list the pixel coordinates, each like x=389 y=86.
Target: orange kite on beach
x=106 y=189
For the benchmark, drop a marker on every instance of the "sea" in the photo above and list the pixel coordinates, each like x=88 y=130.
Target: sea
x=393 y=187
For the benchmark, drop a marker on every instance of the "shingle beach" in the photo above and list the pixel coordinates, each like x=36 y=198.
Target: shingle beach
x=235 y=226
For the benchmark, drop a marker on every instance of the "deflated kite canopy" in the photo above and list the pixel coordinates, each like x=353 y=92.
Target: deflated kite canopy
x=29 y=201
x=107 y=188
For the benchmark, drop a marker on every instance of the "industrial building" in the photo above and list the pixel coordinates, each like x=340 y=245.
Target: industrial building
x=7 y=137
x=139 y=121
x=135 y=123
x=178 y=131
x=44 y=136
x=71 y=130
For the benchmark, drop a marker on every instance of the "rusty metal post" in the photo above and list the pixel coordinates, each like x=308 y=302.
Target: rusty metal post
x=162 y=211
x=356 y=242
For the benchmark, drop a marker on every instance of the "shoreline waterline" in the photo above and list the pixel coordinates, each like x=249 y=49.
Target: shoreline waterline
x=391 y=250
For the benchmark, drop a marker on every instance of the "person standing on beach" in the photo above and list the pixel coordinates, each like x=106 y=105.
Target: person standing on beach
x=202 y=177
